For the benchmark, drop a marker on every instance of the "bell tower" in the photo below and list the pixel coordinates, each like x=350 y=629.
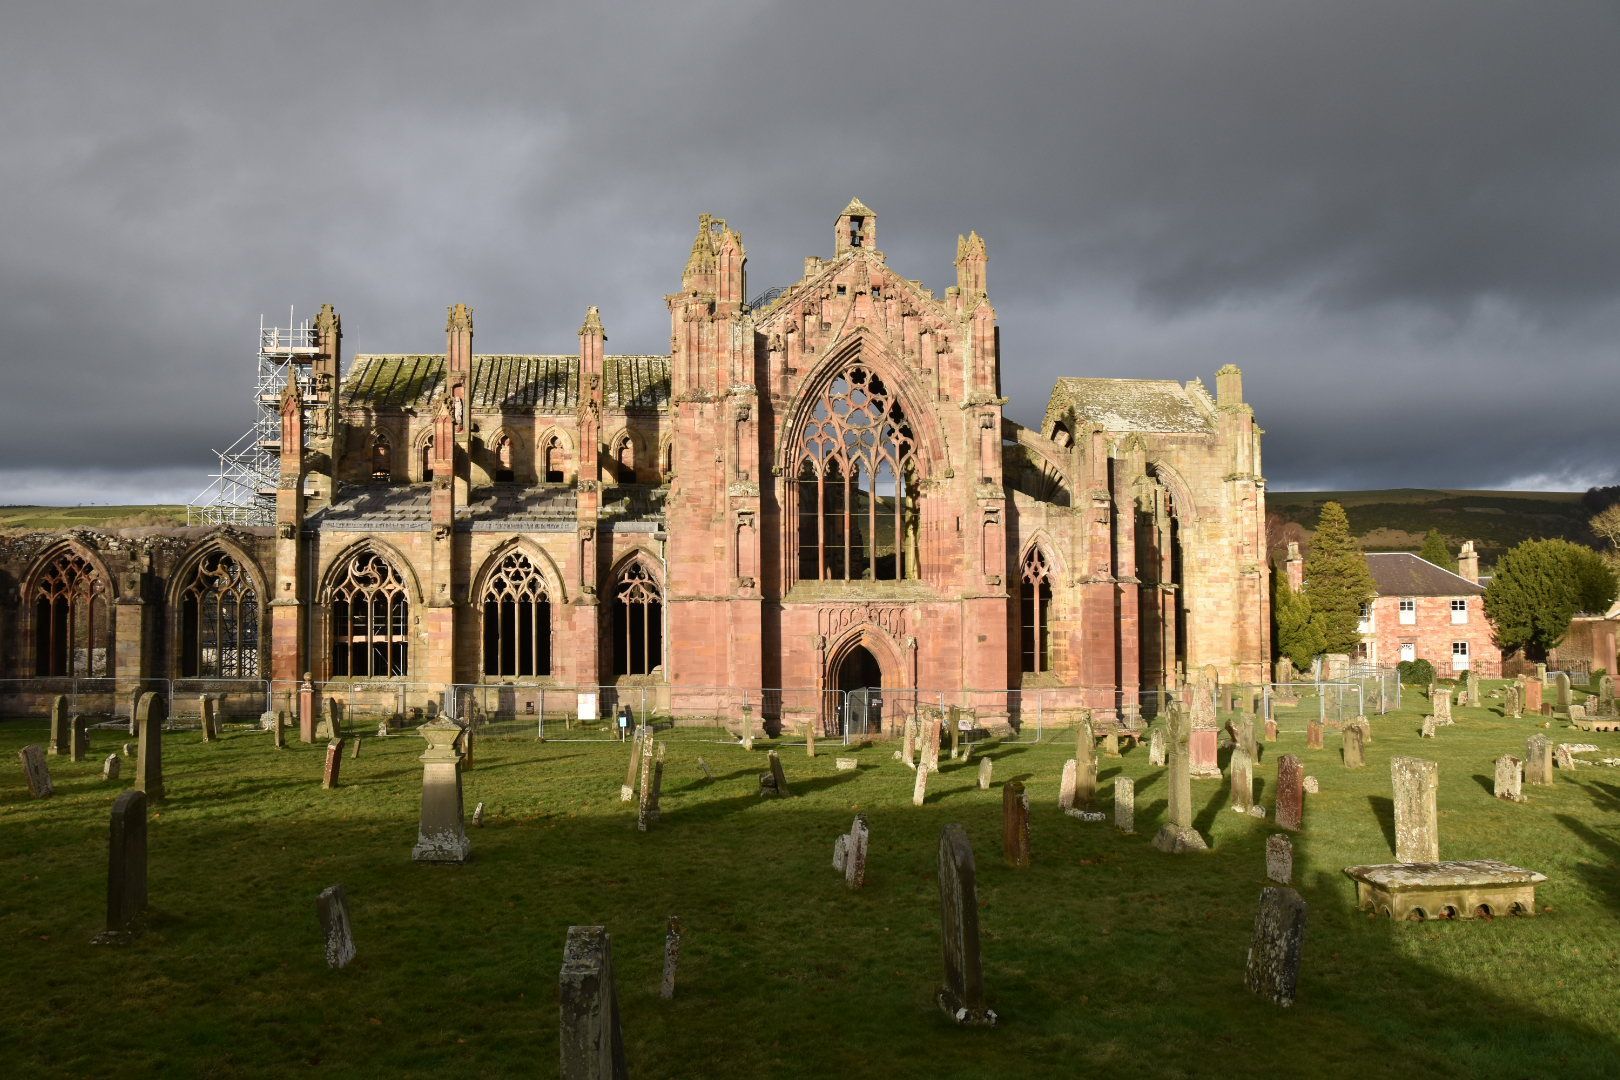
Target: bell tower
x=857 y=228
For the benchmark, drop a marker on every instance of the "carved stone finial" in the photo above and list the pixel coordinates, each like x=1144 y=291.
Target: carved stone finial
x=459 y=320
x=593 y=324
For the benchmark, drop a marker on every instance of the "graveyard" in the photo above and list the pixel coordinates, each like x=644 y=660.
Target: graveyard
x=1102 y=953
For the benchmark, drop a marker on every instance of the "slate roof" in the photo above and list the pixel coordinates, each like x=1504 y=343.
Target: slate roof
x=1401 y=573
x=507 y=383
x=1148 y=405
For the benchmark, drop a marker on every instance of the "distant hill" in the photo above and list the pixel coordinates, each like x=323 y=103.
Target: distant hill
x=89 y=517
x=1397 y=519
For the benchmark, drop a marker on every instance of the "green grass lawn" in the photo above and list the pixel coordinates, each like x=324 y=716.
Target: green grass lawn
x=1105 y=957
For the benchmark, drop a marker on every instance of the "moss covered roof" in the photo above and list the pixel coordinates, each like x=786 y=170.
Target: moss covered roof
x=507 y=383
x=1150 y=405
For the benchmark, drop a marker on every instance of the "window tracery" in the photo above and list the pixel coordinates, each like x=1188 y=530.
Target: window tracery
x=219 y=621
x=517 y=619
x=638 y=622
x=1035 y=592
x=71 y=618
x=370 y=619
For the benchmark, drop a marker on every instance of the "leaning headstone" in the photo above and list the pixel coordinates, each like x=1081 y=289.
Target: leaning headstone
x=279 y=728
x=478 y=814
x=59 y=726
x=985 y=769
x=627 y=790
x=1274 y=950
x=1066 y=787
x=334 y=762
x=1177 y=834
x=708 y=773
x=111 y=767
x=1125 y=804
x=1290 y=793
x=1538 y=764
x=908 y=751
x=205 y=716
x=150 y=716
x=962 y=996
x=1156 y=755
x=1280 y=858
x=1241 y=768
x=78 y=737
x=1417 y=826
x=672 y=958
x=1354 y=757
x=356 y=751
x=1313 y=735
x=1564 y=757
x=36 y=772
x=1509 y=772
x=590 y=1041
x=333 y=909
x=775 y=761
x=855 y=853
x=919 y=787
x=1015 y=824
x=126 y=864
x=442 y=833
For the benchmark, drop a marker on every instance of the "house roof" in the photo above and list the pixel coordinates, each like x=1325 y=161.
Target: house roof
x=537 y=383
x=1151 y=405
x=1401 y=573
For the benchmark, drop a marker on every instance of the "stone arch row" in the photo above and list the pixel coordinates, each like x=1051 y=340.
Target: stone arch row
x=555 y=458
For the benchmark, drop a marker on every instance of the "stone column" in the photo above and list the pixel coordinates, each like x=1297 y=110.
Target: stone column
x=442 y=836
x=589 y=1037
x=1417 y=826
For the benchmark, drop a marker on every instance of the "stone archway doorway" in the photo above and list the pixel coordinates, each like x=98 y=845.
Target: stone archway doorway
x=859 y=680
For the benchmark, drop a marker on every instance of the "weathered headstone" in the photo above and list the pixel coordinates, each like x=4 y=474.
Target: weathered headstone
x=775 y=762
x=708 y=773
x=1538 y=764
x=1241 y=768
x=1313 y=735
x=1156 y=755
x=928 y=750
x=205 y=717
x=1111 y=744
x=1474 y=697
x=334 y=762
x=1354 y=756
x=1509 y=773
x=747 y=727
x=1125 y=804
x=35 y=772
x=1274 y=950
x=1311 y=786
x=652 y=770
x=590 y=1040
x=478 y=814
x=332 y=724
x=1203 y=739
x=1561 y=689
x=953 y=719
x=1290 y=793
x=306 y=710
x=657 y=782
x=840 y=851
x=908 y=743
x=672 y=958
x=985 y=771
x=1085 y=775
x=627 y=790
x=1532 y=697
x=1417 y=825
x=1442 y=707
x=1513 y=707
x=1066 y=787
x=78 y=737
x=962 y=996
x=279 y=729
x=111 y=767
x=1271 y=730
x=129 y=749
x=919 y=787
x=442 y=834
x=126 y=864
x=855 y=853
x=150 y=716
x=332 y=907
x=1428 y=730
x=1280 y=858
x=1564 y=757
x=845 y=764
x=356 y=751
x=1177 y=834
x=1366 y=729
x=58 y=743
x=809 y=738
x=1015 y=824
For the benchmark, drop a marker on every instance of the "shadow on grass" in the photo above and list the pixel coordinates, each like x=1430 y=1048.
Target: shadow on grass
x=1383 y=808
x=1486 y=782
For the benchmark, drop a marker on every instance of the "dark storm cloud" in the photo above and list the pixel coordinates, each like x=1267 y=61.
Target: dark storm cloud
x=1403 y=220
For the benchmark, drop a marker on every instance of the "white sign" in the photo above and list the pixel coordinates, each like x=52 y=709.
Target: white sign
x=587 y=706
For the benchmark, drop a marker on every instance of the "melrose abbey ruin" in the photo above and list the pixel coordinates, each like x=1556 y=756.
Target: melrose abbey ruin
x=815 y=490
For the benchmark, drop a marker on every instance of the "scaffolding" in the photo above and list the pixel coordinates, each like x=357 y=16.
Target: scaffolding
x=242 y=489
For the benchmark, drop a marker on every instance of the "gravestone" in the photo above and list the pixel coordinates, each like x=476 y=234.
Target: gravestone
x=809 y=738
x=1513 y=707
x=1177 y=834
x=1280 y=858
x=1085 y=773
x=658 y=781
x=58 y=743
x=1290 y=793
x=747 y=727
x=1577 y=713
x=1532 y=696
x=334 y=762
x=908 y=743
x=1428 y=730
x=1354 y=756
x=1203 y=739
x=134 y=703
x=356 y=751
x=1274 y=949
x=591 y=1044
x=150 y=716
x=1442 y=707
x=1015 y=824
x=36 y=772
x=840 y=851
x=279 y=728
x=1311 y=786
x=1313 y=735
x=332 y=726
x=708 y=773
x=111 y=767
x=855 y=853
x=442 y=833
x=332 y=907
x=1509 y=771
x=1561 y=689
x=78 y=737
x=1066 y=787
x=1271 y=730
x=962 y=996
x=919 y=787
x=1564 y=757
x=929 y=748
x=478 y=814
x=672 y=958
x=1538 y=764
x=1156 y=754
x=652 y=768
x=306 y=710
x=777 y=775
x=627 y=790
x=845 y=764
x=129 y=749
x=985 y=768
x=126 y=864
x=1111 y=744
x=1474 y=697
x=1241 y=769
x=205 y=716
x=1366 y=730
x=1417 y=825
x=1125 y=804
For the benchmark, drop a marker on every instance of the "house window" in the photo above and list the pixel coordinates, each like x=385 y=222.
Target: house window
x=517 y=620
x=1036 y=596
x=1363 y=651
x=219 y=621
x=1408 y=651
x=1365 y=625
x=638 y=623
x=1459 y=612
x=370 y=619
x=1459 y=656
x=1408 y=611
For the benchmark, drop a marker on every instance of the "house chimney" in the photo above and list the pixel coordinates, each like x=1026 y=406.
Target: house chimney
x=1468 y=562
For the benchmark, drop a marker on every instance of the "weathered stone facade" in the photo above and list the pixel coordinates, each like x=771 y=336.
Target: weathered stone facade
x=815 y=490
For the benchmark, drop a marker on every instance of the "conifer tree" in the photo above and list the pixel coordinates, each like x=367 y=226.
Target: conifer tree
x=1537 y=589
x=1337 y=581
x=1437 y=551
x=1298 y=637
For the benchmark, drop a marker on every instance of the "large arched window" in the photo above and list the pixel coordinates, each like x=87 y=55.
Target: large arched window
x=517 y=619
x=638 y=622
x=71 y=618
x=1035 y=593
x=857 y=477
x=219 y=621
x=370 y=619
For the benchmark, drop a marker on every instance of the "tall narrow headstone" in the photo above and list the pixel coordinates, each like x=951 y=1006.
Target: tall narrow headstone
x=1015 y=824
x=442 y=834
x=1280 y=858
x=59 y=726
x=334 y=762
x=1203 y=740
x=1085 y=773
x=1538 y=762
x=1313 y=734
x=1066 y=788
x=1156 y=753
x=672 y=958
x=333 y=725
x=1472 y=682
x=962 y=996
x=590 y=1041
x=1125 y=804
x=78 y=737
x=919 y=786
x=1177 y=834
x=1290 y=792
x=150 y=716
x=1532 y=697
x=1561 y=687
x=855 y=853
x=279 y=729
x=908 y=749
x=306 y=710
x=1271 y=730
x=627 y=790
x=332 y=908
x=1509 y=773
x=1417 y=825
x=1274 y=950
x=1353 y=755
x=647 y=809
x=929 y=754
x=35 y=772
x=1442 y=706
x=1513 y=707
x=985 y=771
x=748 y=727
x=1241 y=768
x=205 y=716
x=809 y=738
x=953 y=718
x=126 y=862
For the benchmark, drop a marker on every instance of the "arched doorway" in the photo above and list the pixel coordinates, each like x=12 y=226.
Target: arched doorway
x=860 y=683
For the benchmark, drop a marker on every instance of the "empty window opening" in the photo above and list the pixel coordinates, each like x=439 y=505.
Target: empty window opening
x=370 y=619
x=219 y=621
x=638 y=622
x=517 y=619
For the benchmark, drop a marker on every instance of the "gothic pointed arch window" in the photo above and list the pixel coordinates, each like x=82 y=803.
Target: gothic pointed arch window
x=219 y=620
x=424 y=454
x=857 y=484
x=624 y=459
x=72 y=619
x=517 y=619
x=638 y=621
x=1035 y=595
x=370 y=624
x=504 y=473
x=382 y=457
x=556 y=460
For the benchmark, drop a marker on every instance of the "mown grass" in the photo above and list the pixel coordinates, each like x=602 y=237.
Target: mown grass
x=1106 y=956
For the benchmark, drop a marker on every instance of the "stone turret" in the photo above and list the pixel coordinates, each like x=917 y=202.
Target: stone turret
x=972 y=265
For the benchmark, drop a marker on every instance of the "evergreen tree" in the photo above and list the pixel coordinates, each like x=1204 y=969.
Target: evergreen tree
x=1537 y=589
x=1337 y=581
x=1438 y=551
x=1297 y=636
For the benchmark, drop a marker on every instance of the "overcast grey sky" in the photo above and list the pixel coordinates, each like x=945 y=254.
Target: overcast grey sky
x=1402 y=219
